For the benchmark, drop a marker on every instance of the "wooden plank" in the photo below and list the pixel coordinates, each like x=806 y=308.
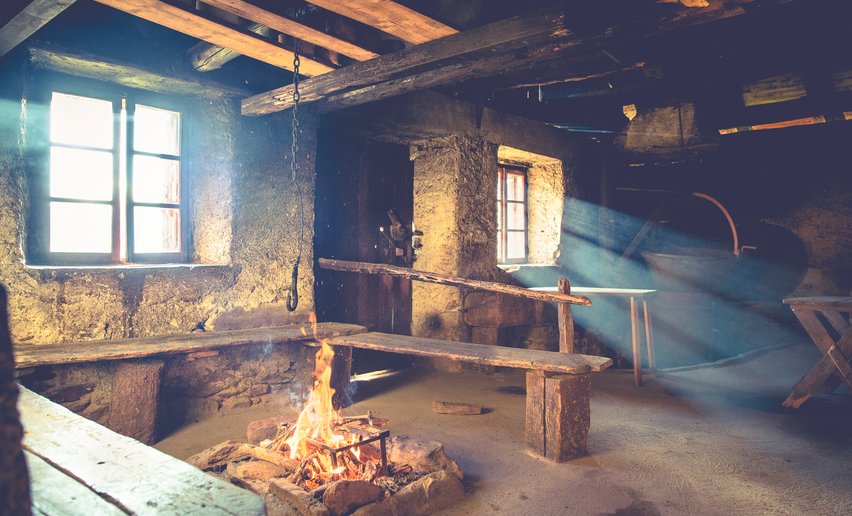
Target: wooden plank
x=456 y=408
x=602 y=291
x=840 y=304
x=476 y=353
x=534 y=427
x=565 y=321
x=818 y=375
x=205 y=57
x=31 y=18
x=55 y=493
x=567 y=416
x=81 y=64
x=818 y=333
x=390 y=17
x=409 y=65
x=637 y=354
x=30 y=355
x=206 y=29
x=135 y=394
x=452 y=281
x=137 y=478
x=293 y=28
x=842 y=366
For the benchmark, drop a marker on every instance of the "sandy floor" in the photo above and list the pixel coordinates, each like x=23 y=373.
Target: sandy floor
x=708 y=441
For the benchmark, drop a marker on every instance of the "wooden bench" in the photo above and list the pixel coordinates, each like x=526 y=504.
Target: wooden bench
x=78 y=466
x=824 y=320
x=137 y=378
x=558 y=384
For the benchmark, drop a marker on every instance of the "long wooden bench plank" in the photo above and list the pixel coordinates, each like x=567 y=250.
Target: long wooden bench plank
x=31 y=355
x=841 y=304
x=569 y=363
x=55 y=493
x=136 y=478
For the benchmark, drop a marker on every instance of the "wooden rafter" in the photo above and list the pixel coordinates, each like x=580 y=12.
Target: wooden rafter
x=454 y=53
x=203 y=28
x=389 y=17
x=31 y=18
x=293 y=28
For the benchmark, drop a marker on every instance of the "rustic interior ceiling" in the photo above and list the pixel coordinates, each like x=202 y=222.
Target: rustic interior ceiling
x=574 y=65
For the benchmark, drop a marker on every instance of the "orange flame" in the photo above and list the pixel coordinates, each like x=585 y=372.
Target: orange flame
x=315 y=421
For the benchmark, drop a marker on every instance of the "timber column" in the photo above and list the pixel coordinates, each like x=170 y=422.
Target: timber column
x=455 y=182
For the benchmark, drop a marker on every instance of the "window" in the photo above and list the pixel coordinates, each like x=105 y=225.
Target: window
x=111 y=189
x=511 y=214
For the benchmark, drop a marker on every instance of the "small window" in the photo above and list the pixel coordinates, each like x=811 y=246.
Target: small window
x=112 y=189
x=511 y=215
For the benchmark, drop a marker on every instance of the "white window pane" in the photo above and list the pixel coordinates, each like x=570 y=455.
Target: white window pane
x=156 y=230
x=81 y=121
x=514 y=215
x=156 y=180
x=156 y=130
x=81 y=174
x=514 y=187
x=515 y=245
x=80 y=228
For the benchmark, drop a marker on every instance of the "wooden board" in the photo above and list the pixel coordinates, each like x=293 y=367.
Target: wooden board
x=135 y=393
x=81 y=64
x=31 y=355
x=452 y=281
x=136 y=478
x=55 y=493
x=192 y=24
x=601 y=291
x=31 y=18
x=476 y=353
x=840 y=304
x=293 y=28
x=389 y=17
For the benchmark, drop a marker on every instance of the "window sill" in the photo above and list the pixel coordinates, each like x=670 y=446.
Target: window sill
x=509 y=267
x=124 y=266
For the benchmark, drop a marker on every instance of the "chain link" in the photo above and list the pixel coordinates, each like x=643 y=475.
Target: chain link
x=293 y=294
x=296 y=98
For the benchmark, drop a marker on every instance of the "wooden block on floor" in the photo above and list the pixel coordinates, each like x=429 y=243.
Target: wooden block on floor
x=135 y=393
x=558 y=414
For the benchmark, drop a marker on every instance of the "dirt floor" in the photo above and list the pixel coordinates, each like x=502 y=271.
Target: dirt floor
x=712 y=440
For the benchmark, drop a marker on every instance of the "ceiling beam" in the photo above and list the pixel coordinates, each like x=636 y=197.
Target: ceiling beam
x=30 y=19
x=454 y=53
x=292 y=28
x=205 y=29
x=473 y=55
x=390 y=17
x=205 y=57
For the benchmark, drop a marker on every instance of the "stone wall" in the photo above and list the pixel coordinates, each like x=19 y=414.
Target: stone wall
x=245 y=226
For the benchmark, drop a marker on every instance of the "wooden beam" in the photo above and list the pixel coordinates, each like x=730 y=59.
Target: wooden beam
x=516 y=44
x=31 y=18
x=453 y=54
x=205 y=57
x=482 y=354
x=293 y=28
x=390 y=17
x=206 y=29
x=33 y=355
x=80 y=64
x=443 y=279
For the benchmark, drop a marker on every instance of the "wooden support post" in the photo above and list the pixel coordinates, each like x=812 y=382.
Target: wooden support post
x=14 y=478
x=558 y=414
x=637 y=357
x=341 y=372
x=135 y=393
x=649 y=335
x=565 y=319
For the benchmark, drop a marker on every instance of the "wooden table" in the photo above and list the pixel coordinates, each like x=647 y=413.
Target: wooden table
x=825 y=321
x=633 y=294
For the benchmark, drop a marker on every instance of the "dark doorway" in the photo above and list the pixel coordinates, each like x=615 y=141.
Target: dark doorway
x=357 y=183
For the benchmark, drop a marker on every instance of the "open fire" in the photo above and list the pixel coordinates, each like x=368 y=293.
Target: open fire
x=325 y=463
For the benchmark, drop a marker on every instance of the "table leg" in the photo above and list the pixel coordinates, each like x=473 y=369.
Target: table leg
x=649 y=335
x=637 y=356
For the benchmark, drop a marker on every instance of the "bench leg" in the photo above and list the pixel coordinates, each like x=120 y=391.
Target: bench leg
x=135 y=392
x=558 y=414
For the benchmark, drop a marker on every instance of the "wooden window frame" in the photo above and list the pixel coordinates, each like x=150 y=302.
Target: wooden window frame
x=503 y=170
x=38 y=173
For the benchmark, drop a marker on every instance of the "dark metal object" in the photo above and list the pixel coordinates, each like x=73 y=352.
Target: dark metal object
x=381 y=437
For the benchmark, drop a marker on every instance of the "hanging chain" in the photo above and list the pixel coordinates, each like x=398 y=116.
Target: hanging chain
x=293 y=294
